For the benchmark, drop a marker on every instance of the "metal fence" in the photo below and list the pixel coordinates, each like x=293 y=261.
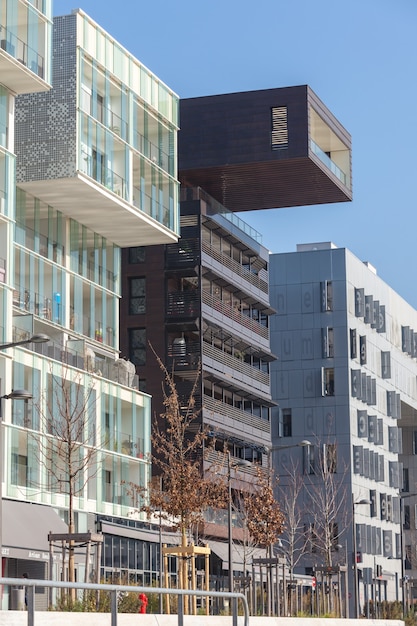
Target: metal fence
x=114 y=590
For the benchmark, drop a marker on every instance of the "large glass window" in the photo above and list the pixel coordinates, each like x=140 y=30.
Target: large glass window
x=137 y=343
x=137 y=296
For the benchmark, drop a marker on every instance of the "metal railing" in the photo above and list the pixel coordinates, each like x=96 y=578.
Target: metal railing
x=235 y=267
x=31 y=584
x=228 y=311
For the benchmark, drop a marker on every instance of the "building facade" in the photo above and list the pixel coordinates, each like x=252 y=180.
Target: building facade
x=204 y=301
x=202 y=305
x=345 y=381
x=96 y=170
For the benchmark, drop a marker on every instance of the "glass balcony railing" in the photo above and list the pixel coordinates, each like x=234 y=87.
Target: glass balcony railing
x=20 y=50
x=331 y=165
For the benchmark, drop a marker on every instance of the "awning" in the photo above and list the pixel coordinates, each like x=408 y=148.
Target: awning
x=240 y=554
x=26 y=526
x=131 y=532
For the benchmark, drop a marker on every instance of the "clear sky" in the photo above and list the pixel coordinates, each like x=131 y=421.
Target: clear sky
x=359 y=56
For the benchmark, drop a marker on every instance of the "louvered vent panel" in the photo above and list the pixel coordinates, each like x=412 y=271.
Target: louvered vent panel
x=189 y=220
x=279 y=135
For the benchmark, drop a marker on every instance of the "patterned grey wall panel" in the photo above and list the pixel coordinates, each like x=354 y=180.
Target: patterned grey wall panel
x=45 y=139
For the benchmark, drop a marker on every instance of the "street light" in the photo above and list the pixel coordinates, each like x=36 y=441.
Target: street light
x=231 y=464
x=17 y=394
x=355 y=564
x=38 y=338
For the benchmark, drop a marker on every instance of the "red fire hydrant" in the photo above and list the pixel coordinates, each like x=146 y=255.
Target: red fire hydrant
x=143 y=603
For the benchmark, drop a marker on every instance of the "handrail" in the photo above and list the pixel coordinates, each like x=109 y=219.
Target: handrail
x=237 y=268
x=235 y=315
x=31 y=584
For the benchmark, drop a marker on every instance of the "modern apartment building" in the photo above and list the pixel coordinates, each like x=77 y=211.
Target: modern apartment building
x=204 y=301
x=346 y=381
x=96 y=171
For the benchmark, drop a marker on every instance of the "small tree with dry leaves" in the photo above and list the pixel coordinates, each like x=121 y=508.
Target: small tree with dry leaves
x=265 y=520
x=183 y=492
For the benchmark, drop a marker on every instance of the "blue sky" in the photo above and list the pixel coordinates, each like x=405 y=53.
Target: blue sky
x=359 y=56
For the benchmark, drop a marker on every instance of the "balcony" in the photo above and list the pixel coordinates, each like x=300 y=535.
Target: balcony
x=226 y=262
x=22 y=69
x=183 y=304
x=241 y=372
x=102 y=202
x=124 y=443
x=78 y=354
x=234 y=316
x=183 y=255
x=234 y=419
x=183 y=356
x=331 y=165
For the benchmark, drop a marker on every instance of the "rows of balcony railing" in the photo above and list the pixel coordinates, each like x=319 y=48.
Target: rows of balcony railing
x=151 y=206
x=215 y=208
x=96 y=273
x=124 y=443
x=46 y=307
x=235 y=315
x=41 y=244
x=155 y=153
x=233 y=414
x=236 y=364
x=21 y=51
x=183 y=304
x=118 y=371
x=235 y=267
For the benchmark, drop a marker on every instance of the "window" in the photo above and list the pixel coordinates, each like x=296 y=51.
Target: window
x=326 y=295
x=286 y=423
x=385 y=364
x=414 y=441
x=407 y=560
x=19 y=469
x=353 y=344
x=108 y=491
x=330 y=458
x=406 y=480
x=279 y=132
x=137 y=346
x=362 y=349
x=137 y=296
x=137 y=254
x=327 y=381
x=309 y=460
x=327 y=343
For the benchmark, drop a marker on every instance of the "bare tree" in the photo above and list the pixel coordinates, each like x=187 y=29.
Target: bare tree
x=289 y=497
x=327 y=490
x=327 y=496
x=68 y=447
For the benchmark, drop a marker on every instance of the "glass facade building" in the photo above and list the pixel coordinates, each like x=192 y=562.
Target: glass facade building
x=86 y=167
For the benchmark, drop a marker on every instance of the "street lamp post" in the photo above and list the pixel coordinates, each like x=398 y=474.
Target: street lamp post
x=230 y=465
x=17 y=394
x=38 y=338
x=355 y=564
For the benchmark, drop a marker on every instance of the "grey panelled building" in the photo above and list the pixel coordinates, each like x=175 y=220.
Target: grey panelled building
x=346 y=380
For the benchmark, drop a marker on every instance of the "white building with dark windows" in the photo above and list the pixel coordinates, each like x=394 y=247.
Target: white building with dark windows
x=346 y=380
x=91 y=136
